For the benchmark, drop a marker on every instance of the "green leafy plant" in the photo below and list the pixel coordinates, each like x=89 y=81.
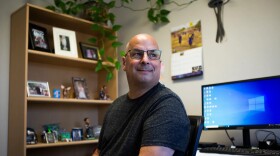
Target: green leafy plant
x=98 y=11
x=99 y=14
x=71 y=7
x=156 y=11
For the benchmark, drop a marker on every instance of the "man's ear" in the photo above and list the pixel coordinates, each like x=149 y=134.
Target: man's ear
x=123 y=63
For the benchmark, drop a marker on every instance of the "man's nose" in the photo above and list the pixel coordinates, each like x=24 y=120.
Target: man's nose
x=145 y=58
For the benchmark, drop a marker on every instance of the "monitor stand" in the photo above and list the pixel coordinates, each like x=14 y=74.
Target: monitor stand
x=246 y=138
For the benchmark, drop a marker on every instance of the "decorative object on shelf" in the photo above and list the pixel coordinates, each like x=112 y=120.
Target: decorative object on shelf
x=89 y=51
x=31 y=136
x=80 y=87
x=38 y=89
x=38 y=38
x=96 y=131
x=49 y=137
x=65 y=91
x=103 y=94
x=88 y=129
x=65 y=136
x=56 y=93
x=77 y=134
x=65 y=42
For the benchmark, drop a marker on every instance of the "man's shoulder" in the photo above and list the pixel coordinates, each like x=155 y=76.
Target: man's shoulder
x=166 y=91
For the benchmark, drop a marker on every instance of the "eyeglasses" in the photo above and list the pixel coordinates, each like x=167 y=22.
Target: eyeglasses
x=138 y=54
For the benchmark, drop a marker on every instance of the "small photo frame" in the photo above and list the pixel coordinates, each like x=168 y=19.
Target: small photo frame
x=89 y=51
x=65 y=42
x=38 y=38
x=38 y=89
x=80 y=87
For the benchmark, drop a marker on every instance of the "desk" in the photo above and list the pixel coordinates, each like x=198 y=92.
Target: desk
x=213 y=154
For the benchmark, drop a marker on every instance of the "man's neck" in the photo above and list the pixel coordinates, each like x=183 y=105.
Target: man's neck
x=139 y=90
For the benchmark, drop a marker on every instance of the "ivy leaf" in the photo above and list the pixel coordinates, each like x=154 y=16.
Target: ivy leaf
x=160 y=2
x=116 y=27
x=109 y=76
x=122 y=53
x=51 y=8
x=111 y=37
x=111 y=17
x=101 y=51
x=164 y=19
x=116 y=44
x=93 y=40
x=95 y=27
x=151 y=16
x=117 y=65
x=58 y=3
x=98 y=66
x=111 y=4
x=110 y=59
x=164 y=12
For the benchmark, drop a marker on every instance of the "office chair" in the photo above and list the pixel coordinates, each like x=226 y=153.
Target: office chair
x=196 y=129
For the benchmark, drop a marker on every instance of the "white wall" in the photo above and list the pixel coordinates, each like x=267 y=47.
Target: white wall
x=250 y=50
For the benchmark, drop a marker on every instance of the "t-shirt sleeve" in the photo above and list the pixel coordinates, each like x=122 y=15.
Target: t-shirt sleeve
x=167 y=125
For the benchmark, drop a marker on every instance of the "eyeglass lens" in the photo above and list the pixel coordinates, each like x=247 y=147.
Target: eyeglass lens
x=138 y=54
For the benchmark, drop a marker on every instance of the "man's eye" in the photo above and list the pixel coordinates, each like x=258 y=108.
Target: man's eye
x=153 y=55
x=137 y=54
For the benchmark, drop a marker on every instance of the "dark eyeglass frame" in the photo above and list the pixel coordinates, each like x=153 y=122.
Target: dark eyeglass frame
x=141 y=52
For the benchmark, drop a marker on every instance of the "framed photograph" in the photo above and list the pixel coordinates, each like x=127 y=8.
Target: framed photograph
x=38 y=89
x=89 y=51
x=80 y=87
x=38 y=38
x=65 y=42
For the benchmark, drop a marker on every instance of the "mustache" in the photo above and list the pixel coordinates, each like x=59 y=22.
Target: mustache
x=145 y=67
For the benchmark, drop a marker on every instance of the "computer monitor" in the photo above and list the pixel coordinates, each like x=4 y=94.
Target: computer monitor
x=245 y=104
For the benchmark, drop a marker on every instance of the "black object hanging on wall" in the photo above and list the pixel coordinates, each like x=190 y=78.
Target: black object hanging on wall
x=217 y=5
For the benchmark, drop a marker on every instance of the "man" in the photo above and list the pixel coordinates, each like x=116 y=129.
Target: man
x=150 y=120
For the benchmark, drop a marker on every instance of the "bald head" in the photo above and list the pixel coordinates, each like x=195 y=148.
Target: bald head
x=141 y=39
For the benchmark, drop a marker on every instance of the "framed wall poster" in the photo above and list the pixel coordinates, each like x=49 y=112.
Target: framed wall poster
x=80 y=87
x=65 y=42
x=38 y=38
x=89 y=51
x=38 y=89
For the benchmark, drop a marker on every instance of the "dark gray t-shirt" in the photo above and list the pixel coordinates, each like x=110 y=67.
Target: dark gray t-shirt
x=158 y=118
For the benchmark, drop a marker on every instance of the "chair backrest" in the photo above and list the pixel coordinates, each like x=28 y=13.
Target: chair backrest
x=196 y=129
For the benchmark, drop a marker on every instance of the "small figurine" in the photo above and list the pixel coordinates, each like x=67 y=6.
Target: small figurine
x=89 y=129
x=103 y=94
x=65 y=91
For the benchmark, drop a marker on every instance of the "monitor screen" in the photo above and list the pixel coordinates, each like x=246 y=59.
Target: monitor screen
x=245 y=104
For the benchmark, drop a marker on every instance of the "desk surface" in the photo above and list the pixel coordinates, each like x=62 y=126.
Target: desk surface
x=212 y=154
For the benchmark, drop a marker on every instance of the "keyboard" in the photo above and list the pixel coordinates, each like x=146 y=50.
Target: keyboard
x=240 y=151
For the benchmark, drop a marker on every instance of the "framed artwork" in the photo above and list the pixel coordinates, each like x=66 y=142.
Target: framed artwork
x=38 y=89
x=80 y=87
x=89 y=51
x=38 y=38
x=65 y=42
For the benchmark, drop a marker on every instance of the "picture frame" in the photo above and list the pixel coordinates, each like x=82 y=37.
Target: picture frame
x=38 y=89
x=65 y=42
x=89 y=51
x=38 y=38
x=80 y=88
